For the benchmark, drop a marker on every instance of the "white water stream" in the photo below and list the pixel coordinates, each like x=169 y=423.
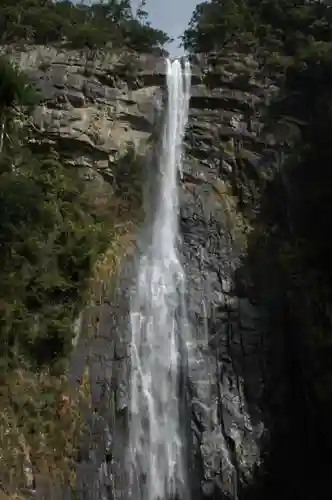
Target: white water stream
x=159 y=322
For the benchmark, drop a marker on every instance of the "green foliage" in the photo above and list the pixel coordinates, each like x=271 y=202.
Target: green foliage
x=54 y=226
x=51 y=232
x=274 y=25
x=94 y=26
x=43 y=423
x=50 y=236
x=15 y=94
x=216 y=23
x=14 y=89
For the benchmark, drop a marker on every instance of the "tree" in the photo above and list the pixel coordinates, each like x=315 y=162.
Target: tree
x=95 y=25
x=217 y=23
x=15 y=93
x=275 y=25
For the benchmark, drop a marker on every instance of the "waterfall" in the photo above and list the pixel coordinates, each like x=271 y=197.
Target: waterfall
x=158 y=322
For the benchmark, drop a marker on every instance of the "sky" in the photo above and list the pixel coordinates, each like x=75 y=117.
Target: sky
x=171 y=16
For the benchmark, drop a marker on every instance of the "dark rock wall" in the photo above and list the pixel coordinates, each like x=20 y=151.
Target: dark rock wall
x=224 y=160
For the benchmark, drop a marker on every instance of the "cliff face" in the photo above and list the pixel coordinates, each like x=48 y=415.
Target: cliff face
x=227 y=159
x=94 y=112
x=92 y=107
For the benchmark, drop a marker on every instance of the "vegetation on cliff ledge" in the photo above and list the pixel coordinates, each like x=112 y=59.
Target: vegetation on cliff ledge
x=53 y=227
x=51 y=232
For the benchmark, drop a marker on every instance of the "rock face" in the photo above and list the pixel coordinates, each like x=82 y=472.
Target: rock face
x=92 y=108
x=93 y=111
x=225 y=157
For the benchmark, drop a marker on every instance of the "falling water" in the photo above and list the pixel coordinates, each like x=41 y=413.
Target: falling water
x=158 y=322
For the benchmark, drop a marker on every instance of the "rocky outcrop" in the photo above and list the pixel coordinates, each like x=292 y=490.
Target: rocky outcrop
x=92 y=107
